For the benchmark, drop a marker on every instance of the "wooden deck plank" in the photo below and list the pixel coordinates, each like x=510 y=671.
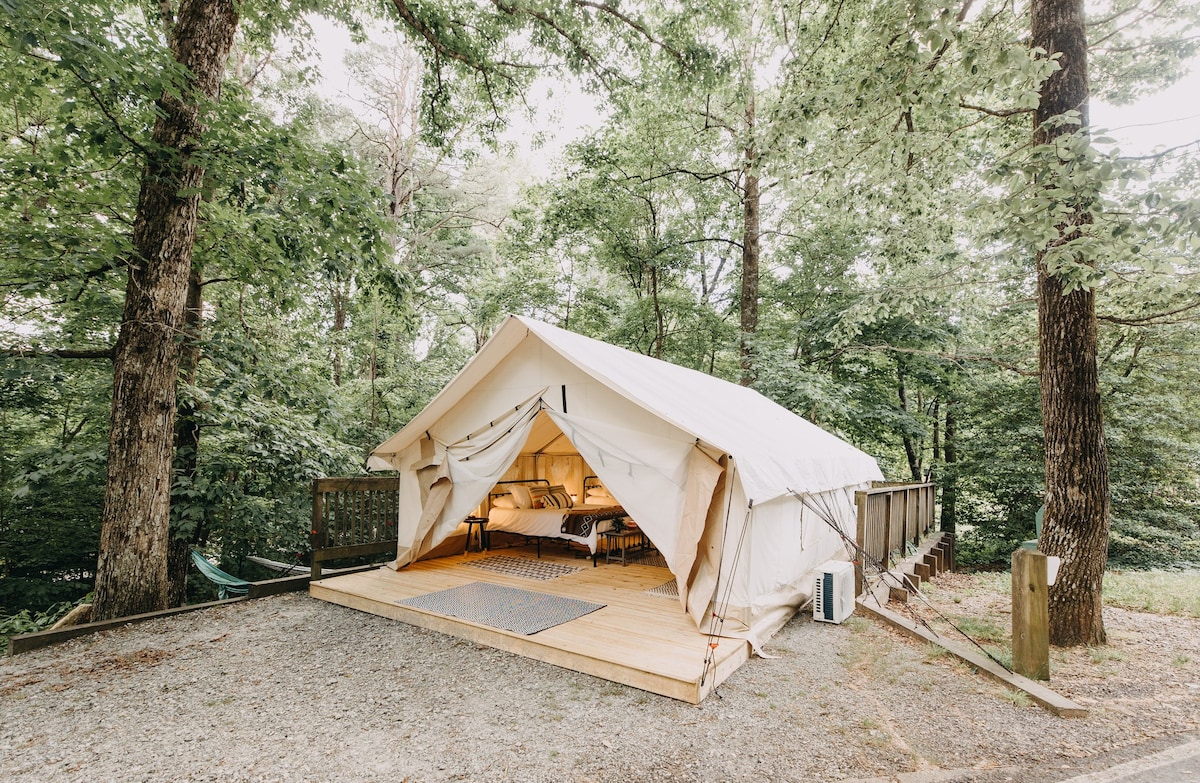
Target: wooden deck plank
x=637 y=639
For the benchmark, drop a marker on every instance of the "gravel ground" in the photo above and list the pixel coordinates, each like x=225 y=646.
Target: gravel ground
x=292 y=689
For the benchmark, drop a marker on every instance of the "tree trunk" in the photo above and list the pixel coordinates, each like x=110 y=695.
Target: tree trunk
x=187 y=441
x=935 y=459
x=910 y=446
x=750 y=253
x=340 y=294
x=131 y=570
x=1075 y=526
x=949 y=474
x=660 y=323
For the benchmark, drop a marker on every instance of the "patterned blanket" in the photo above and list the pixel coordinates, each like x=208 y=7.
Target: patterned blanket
x=579 y=521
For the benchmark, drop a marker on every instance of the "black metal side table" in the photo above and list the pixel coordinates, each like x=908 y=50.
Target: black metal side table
x=481 y=534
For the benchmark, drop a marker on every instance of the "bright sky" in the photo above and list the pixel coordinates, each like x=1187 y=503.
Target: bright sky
x=1164 y=120
x=1161 y=121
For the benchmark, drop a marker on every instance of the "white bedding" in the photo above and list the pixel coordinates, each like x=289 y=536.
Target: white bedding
x=545 y=522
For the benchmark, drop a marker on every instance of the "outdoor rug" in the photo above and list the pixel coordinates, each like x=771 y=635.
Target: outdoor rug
x=650 y=557
x=512 y=609
x=524 y=567
x=665 y=590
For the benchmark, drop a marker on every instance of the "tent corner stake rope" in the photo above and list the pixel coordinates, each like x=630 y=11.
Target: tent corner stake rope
x=825 y=515
x=717 y=624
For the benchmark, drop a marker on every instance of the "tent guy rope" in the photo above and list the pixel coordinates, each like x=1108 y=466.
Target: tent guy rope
x=903 y=581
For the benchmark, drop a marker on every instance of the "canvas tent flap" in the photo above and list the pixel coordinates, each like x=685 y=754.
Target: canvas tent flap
x=645 y=472
x=704 y=473
x=466 y=471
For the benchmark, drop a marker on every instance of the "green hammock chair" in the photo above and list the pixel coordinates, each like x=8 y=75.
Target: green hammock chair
x=225 y=583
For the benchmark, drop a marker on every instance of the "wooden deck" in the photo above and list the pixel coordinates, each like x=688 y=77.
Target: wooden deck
x=642 y=640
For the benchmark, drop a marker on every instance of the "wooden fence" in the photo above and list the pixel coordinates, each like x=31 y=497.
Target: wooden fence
x=891 y=516
x=353 y=517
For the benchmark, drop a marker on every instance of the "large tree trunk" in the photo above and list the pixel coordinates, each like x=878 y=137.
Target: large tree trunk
x=131 y=570
x=750 y=251
x=750 y=257
x=1075 y=526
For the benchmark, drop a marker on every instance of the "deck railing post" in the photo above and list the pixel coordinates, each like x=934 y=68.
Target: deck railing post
x=318 y=530
x=860 y=538
x=910 y=507
x=887 y=531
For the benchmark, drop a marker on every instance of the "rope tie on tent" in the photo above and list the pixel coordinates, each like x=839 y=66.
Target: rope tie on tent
x=533 y=411
x=717 y=621
x=826 y=513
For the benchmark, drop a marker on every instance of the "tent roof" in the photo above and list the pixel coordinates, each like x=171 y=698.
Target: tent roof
x=775 y=450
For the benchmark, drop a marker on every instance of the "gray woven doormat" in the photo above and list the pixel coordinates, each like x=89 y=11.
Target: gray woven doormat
x=520 y=611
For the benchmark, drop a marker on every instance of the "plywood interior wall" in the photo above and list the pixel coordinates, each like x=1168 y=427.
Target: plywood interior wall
x=568 y=470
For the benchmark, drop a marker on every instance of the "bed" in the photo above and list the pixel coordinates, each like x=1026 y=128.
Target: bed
x=581 y=524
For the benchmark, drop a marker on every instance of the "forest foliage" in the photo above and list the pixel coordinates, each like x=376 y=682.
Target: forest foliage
x=352 y=255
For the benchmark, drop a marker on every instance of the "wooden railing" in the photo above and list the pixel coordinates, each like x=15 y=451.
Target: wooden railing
x=890 y=517
x=353 y=517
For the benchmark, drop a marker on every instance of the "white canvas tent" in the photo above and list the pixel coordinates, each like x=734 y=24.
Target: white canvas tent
x=711 y=471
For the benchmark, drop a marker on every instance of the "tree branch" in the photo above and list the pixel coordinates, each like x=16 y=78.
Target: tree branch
x=1156 y=319
x=957 y=358
x=995 y=112
x=432 y=38
x=634 y=25
x=90 y=274
x=1165 y=153
x=33 y=352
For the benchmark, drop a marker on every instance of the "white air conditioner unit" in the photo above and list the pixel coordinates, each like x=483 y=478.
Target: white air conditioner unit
x=833 y=596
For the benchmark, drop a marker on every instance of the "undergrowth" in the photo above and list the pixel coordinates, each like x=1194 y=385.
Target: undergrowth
x=27 y=621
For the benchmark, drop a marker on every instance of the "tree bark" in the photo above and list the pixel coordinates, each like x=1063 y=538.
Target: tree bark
x=187 y=441
x=910 y=446
x=949 y=474
x=751 y=234
x=131 y=570
x=340 y=295
x=1076 y=524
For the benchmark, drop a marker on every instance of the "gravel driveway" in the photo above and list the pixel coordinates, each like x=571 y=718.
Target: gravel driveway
x=292 y=689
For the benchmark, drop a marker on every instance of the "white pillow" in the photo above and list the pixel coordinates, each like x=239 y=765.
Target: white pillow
x=520 y=493
x=598 y=496
x=504 y=501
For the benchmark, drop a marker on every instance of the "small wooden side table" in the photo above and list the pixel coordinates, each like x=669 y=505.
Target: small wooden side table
x=623 y=538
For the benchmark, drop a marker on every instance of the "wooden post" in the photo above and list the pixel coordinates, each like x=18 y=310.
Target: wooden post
x=1030 y=615
x=860 y=500
x=318 y=525
x=887 y=532
x=910 y=509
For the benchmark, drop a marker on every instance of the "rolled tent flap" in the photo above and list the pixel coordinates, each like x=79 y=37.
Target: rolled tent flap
x=375 y=462
x=705 y=573
x=467 y=470
x=435 y=503
x=704 y=473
